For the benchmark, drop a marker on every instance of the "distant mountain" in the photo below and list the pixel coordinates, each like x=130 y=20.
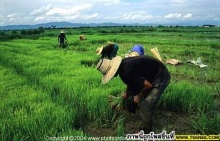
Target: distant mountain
x=68 y=24
x=56 y=25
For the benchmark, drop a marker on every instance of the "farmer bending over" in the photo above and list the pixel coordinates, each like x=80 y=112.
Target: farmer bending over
x=137 y=50
x=108 y=51
x=146 y=79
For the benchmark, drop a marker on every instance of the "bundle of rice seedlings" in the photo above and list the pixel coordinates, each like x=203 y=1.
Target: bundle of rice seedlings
x=156 y=53
x=116 y=102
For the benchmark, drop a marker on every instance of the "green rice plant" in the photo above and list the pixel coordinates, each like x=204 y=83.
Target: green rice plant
x=189 y=52
x=48 y=91
x=204 y=123
x=28 y=114
x=215 y=46
x=120 y=127
x=89 y=63
x=213 y=57
x=187 y=98
x=97 y=107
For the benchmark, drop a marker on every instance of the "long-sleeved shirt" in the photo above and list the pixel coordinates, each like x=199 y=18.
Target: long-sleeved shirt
x=139 y=49
x=133 y=71
x=109 y=51
x=61 y=37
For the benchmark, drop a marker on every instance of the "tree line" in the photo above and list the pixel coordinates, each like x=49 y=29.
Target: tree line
x=18 y=34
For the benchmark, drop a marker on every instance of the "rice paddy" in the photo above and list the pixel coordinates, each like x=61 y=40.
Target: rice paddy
x=48 y=91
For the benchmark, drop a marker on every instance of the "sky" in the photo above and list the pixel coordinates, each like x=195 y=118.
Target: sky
x=30 y=12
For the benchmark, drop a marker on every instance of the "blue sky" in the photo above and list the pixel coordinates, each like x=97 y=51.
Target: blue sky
x=119 y=11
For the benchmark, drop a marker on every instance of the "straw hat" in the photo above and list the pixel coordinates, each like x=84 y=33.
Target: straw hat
x=99 y=50
x=133 y=54
x=110 y=42
x=61 y=31
x=108 y=68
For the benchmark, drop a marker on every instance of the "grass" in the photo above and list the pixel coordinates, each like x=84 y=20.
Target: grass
x=48 y=91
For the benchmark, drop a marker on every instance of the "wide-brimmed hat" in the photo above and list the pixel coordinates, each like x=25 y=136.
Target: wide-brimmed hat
x=110 y=42
x=62 y=31
x=108 y=68
x=133 y=54
x=99 y=50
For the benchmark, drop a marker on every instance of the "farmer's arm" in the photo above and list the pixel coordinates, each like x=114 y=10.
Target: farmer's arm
x=125 y=94
x=146 y=88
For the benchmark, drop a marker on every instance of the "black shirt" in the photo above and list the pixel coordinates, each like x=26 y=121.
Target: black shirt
x=133 y=71
x=61 y=37
x=107 y=50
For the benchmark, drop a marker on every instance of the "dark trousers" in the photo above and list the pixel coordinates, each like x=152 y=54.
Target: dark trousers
x=62 y=44
x=147 y=106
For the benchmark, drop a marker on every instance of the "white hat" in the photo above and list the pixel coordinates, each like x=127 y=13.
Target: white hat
x=99 y=50
x=108 y=68
x=61 y=31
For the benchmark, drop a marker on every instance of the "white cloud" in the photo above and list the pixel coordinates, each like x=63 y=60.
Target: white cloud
x=11 y=19
x=79 y=16
x=39 y=18
x=178 y=1
x=172 y=16
x=68 y=10
x=109 y=2
x=95 y=15
x=178 y=16
x=187 y=16
x=141 y=16
x=41 y=10
x=106 y=1
x=12 y=15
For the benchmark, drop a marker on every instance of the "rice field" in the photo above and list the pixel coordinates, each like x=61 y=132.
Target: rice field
x=47 y=91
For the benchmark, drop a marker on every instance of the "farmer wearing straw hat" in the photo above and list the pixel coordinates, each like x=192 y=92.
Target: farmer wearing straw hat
x=62 y=38
x=146 y=79
x=137 y=50
x=108 y=51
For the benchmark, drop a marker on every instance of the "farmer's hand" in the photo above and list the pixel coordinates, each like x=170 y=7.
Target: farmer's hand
x=124 y=95
x=137 y=99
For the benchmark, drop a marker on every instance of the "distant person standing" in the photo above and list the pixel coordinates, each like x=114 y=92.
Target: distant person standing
x=109 y=51
x=137 y=50
x=62 y=38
